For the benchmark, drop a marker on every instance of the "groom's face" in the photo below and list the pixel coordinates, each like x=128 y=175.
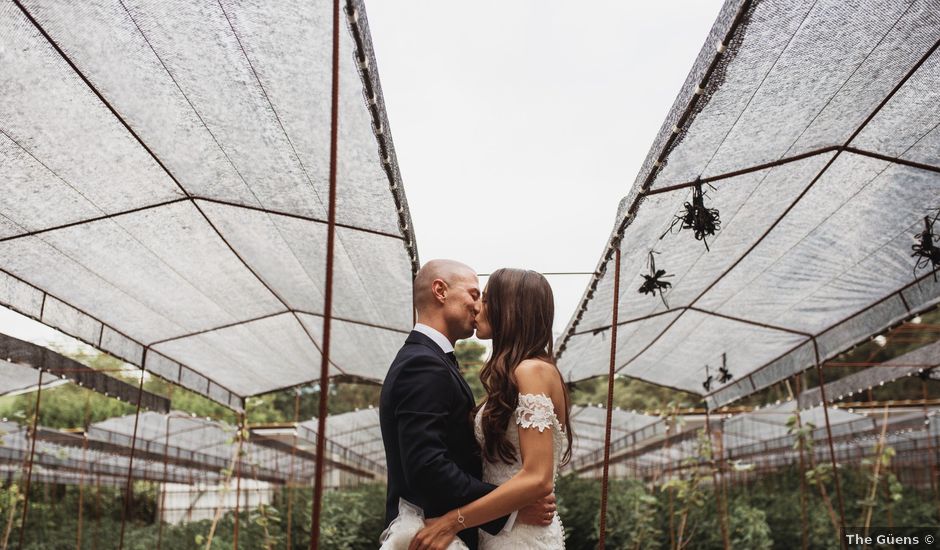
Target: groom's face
x=462 y=305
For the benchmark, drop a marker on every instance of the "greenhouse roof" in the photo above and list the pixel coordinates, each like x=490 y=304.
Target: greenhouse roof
x=175 y=447
x=812 y=128
x=588 y=426
x=16 y=378
x=164 y=169
x=24 y=361
x=358 y=431
x=909 y=364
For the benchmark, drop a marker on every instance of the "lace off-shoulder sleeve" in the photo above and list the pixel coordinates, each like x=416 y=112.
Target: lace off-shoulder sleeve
x=535 y=411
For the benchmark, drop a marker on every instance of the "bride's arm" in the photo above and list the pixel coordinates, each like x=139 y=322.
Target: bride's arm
x=534 y=481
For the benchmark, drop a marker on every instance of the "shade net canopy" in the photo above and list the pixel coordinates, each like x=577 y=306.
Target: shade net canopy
x=919 y=362
x=16 y=378
x=178 y=448
x=356 y=436
x=812 y=128
x=50 y=368
x=360 y=431
x=60 y=453
x=765 y=436
x=164 y=189
x=588 y=428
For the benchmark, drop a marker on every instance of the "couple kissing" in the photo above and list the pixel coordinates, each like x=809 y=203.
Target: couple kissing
x=454 y=466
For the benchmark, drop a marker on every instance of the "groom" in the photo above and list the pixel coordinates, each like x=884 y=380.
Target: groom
x=432 y=454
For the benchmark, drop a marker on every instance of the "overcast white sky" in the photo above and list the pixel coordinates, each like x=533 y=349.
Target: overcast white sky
x=519 y=125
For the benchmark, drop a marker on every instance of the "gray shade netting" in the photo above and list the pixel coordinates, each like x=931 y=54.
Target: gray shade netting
x=909 y=364
x=178 y=448
x=747 y=437
x=16 y=378
x=360 y=431
x=815 y=124
x=58 y=454
x=355 y=436
x=164 y=188
x=181 y=437
x=588 y=426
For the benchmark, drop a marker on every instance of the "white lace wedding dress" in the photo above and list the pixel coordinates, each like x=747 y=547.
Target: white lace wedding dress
x=535 y=412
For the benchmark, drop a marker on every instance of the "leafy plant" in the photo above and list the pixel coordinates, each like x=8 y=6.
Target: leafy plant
x=817 y=475
x=687 y=489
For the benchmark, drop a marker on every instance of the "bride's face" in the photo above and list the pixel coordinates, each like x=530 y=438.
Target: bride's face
x=484 y=330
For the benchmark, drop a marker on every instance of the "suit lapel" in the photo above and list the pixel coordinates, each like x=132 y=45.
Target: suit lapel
x=417 y=338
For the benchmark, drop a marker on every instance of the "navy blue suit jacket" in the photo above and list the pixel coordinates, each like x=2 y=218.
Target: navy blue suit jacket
x=432 y=455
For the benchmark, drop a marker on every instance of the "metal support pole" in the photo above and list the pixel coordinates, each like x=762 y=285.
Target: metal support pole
x=636 y=464
x=328 y=294
x=238 y=477
x=81 y=472
x=610 y=397
x=95 y=538
x=804 y=523
x=129 y=491
x=832 y=451
x=290 y=470
x=722 y=512
x=166 y=447
x=29 y=464
x=930 y=446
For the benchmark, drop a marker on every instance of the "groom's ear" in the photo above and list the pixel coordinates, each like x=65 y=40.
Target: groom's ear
x=439 y=290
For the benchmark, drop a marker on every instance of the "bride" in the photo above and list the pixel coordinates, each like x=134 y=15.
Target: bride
x=523 y=426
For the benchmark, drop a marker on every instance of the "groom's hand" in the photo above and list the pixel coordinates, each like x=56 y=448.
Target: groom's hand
x=541 y=512
x=437 y=534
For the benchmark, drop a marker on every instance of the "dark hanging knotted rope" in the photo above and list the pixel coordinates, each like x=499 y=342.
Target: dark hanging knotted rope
x=726 y=375
x=654 y=282
x=703 y=221
x=925 y=249
x=709 y=380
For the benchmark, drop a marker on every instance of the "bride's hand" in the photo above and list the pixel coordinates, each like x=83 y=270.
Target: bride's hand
x=539 y=513
x=437 y=534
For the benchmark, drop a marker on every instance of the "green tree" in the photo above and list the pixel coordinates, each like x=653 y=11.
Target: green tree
x=630 y=394
x=470 y=354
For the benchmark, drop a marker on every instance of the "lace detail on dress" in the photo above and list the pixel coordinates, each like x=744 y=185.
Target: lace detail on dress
x=535 y=410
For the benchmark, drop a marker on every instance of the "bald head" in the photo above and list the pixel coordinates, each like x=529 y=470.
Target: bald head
x=449 y=271
x=447 y=298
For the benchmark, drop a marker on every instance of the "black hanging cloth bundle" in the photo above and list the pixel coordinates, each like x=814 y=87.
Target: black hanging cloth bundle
x=703 y=221
x=654 y=282
x=925 y=248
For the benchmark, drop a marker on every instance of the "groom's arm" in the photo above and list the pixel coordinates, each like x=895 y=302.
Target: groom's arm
x=425 y=395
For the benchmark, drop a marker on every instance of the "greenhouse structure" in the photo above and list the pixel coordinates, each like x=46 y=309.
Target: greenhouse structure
x=204 y=198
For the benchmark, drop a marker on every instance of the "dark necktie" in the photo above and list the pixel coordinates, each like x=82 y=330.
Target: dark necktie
x=453 y=359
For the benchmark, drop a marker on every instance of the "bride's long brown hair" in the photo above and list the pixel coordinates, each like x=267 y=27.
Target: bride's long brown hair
x=520 y=309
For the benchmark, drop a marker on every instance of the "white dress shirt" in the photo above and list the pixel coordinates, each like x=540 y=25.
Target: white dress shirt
x=439 y=339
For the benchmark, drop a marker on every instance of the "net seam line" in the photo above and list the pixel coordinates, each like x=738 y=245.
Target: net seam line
x=275 y=314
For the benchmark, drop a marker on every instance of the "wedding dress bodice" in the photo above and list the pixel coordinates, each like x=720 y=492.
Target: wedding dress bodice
x=534 y=412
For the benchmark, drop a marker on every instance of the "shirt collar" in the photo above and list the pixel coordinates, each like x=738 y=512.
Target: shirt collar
x=438 y=338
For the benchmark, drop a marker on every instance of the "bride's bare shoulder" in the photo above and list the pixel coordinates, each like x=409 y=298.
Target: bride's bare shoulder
x=535 y=370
